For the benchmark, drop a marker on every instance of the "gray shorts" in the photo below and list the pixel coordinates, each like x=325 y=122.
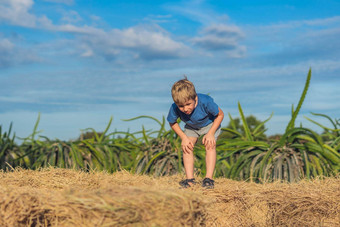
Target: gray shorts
x=192 y=132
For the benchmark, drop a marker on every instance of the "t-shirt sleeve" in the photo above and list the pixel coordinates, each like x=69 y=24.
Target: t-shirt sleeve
x=172 y=115
x=211 y=106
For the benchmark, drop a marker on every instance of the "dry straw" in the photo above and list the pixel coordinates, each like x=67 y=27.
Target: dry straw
x=64 y=197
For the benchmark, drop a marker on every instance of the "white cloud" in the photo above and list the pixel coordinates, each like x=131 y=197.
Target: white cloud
x=197 y=10
x=71 y=17
x=87 y=53
x=221 y=37
x=141 y=42
x=223 y=30
x=293 y=42
x=159 y=19
x=11 y=55
x=322 y=21
x=299 y=23
x=149 y=43
x=6 y=48
x=67 y=2
x=16 y=12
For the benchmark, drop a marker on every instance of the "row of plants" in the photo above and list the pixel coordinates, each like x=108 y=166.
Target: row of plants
x=241 y=155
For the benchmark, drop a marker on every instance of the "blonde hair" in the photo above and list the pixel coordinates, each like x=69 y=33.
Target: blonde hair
x=183 y=90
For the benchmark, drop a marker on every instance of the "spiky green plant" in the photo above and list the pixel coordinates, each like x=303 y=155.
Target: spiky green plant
x=38 y=151
x=101 y=152
x=7 y=148
x=234 y=155
x=330 y=134
x=105 y=151
x=160 y=152
x=299 y=153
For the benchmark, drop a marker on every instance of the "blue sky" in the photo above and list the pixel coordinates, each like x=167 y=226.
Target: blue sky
x=78 y=63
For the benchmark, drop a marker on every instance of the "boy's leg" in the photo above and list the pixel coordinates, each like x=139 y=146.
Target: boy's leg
x=210 y=151
x=210 y=161
x=188 y=160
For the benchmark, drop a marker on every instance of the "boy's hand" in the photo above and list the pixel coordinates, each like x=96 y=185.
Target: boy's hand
x=209 y=141
x=187 y=145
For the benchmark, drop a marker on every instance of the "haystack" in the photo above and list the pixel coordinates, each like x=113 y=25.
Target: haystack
x=64 y=197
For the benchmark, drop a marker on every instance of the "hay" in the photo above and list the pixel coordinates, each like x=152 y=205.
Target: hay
x=60 y=197
x=308 y=203
x=64 y=197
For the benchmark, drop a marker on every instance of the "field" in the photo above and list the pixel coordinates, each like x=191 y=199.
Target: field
x=131 y=179
x=65 y=197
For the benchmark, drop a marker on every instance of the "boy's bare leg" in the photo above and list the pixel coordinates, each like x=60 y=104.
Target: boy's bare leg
x=210 y=161
x=188 y=160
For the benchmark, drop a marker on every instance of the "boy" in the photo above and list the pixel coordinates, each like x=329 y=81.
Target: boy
x=202 y=117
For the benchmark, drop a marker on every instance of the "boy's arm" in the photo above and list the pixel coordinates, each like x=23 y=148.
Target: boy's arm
x=218 y=120
x=209 y=138
x=187 y=145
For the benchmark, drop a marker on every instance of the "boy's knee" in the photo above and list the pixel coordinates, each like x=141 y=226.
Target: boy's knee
x=210 y=148
x=187 y=152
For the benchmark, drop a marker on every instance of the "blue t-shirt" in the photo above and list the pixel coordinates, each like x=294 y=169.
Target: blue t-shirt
x=204 y=113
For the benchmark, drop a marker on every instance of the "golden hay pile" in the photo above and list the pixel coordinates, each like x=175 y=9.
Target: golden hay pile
x=64 y=197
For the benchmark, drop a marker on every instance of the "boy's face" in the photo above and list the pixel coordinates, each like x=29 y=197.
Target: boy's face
x=188 y=106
